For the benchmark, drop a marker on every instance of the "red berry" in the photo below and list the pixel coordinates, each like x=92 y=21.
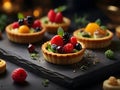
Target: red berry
x=31 y=48
x=19 y=75
x=68 y=48
x=51 y=15
x=73 y=40
x=36 y=23
x=57 y=39
x=59 y=17
x=15 y=25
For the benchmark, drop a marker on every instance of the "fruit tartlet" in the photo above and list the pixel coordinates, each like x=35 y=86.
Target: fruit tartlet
x=94 y=35
x=25 y=30
x=2 y=66
x=118 y=31
x=63 y=49
x=111 y=84
x=54 y=20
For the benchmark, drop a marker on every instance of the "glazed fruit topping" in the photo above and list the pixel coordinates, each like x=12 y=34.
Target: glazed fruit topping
x=27 y=25
x=57 y=44
x=19 y=75
x=55 y=17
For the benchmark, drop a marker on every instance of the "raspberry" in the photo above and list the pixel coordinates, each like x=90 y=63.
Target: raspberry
x=15 y=25
x=19 y=75
x=36 y=23
x=59 y=17
x=51 y=15
x=57 y=39
x=68 y=48
x=73 y=40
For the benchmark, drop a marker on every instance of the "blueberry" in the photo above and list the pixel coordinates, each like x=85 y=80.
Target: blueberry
x=53 y=47
x=37 y=29
x=30 y=20
x=78 y=46
x=59 y=49
x=21 y=21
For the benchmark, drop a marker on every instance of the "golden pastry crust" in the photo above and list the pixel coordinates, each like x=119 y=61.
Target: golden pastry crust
x=26 y=37
x=111 y=84
x=62 y=59
x=2 y=66
x=53 y=27
x=118 y=31
x=93 y=43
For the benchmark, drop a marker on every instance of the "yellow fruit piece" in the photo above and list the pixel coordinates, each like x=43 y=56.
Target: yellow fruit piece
x=92 y=27
x=24 y=29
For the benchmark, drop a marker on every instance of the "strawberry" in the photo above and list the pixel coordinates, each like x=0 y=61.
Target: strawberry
x=57 y=39
x=36 y=23
x=59 y=17
x=73 y=40
x=51 y=15
x=15 y=25
x=19 y=75
x=68 y=48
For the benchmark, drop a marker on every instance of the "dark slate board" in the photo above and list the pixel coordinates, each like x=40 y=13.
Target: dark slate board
x=63 y=75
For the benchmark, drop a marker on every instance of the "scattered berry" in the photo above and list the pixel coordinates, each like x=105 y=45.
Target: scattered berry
x=68 y=48
x=59 y=17
x=57 y=39
x=73 y=40
x=19 y=75
x=15 y=25
x=51 y=15
x=31 y=48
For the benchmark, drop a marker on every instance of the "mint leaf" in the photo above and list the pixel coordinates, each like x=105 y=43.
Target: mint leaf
x=20 y=16
x=60 y=8
x=60 y=31
x=98 y=21
x=103 y=27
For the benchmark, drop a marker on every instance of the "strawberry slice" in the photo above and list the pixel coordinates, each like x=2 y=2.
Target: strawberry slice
x=51 y=15
x=59 y=17
x=57 y=39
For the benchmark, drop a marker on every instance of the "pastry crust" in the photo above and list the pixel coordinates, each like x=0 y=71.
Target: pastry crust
x=108 y=86
x=62 y=59
x=53 y=27
x=118 y=31
x=26 y=37
x=93 y=43
x=2 y=66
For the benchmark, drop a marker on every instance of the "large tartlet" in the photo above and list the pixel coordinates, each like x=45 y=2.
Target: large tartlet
x=52 y=27
x=94 y=42
x=62 y=59
x=24 y=38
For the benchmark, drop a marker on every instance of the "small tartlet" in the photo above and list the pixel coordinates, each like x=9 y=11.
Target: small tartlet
x=52 y=27
x=62 y=59
x=2 y=66
x=118 y=31
x=24 y=38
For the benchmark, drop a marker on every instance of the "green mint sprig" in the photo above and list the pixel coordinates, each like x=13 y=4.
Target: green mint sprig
x=20 y=16
x=60 y=8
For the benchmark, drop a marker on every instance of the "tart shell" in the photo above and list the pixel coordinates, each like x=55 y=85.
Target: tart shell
x=26 y=37
x=118 y=31
x=93 y=43
x=2 y=66
x=53 y=27
x=62 y=59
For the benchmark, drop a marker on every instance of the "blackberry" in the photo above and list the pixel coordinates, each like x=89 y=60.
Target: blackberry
x=37 y=29
x=66 y=37
x=78 y=46
x=21 y=22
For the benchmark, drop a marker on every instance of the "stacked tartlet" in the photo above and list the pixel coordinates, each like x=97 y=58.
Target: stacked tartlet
x=63 y=49
x=25 y=30
x=54 y=20
x=94 y=35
